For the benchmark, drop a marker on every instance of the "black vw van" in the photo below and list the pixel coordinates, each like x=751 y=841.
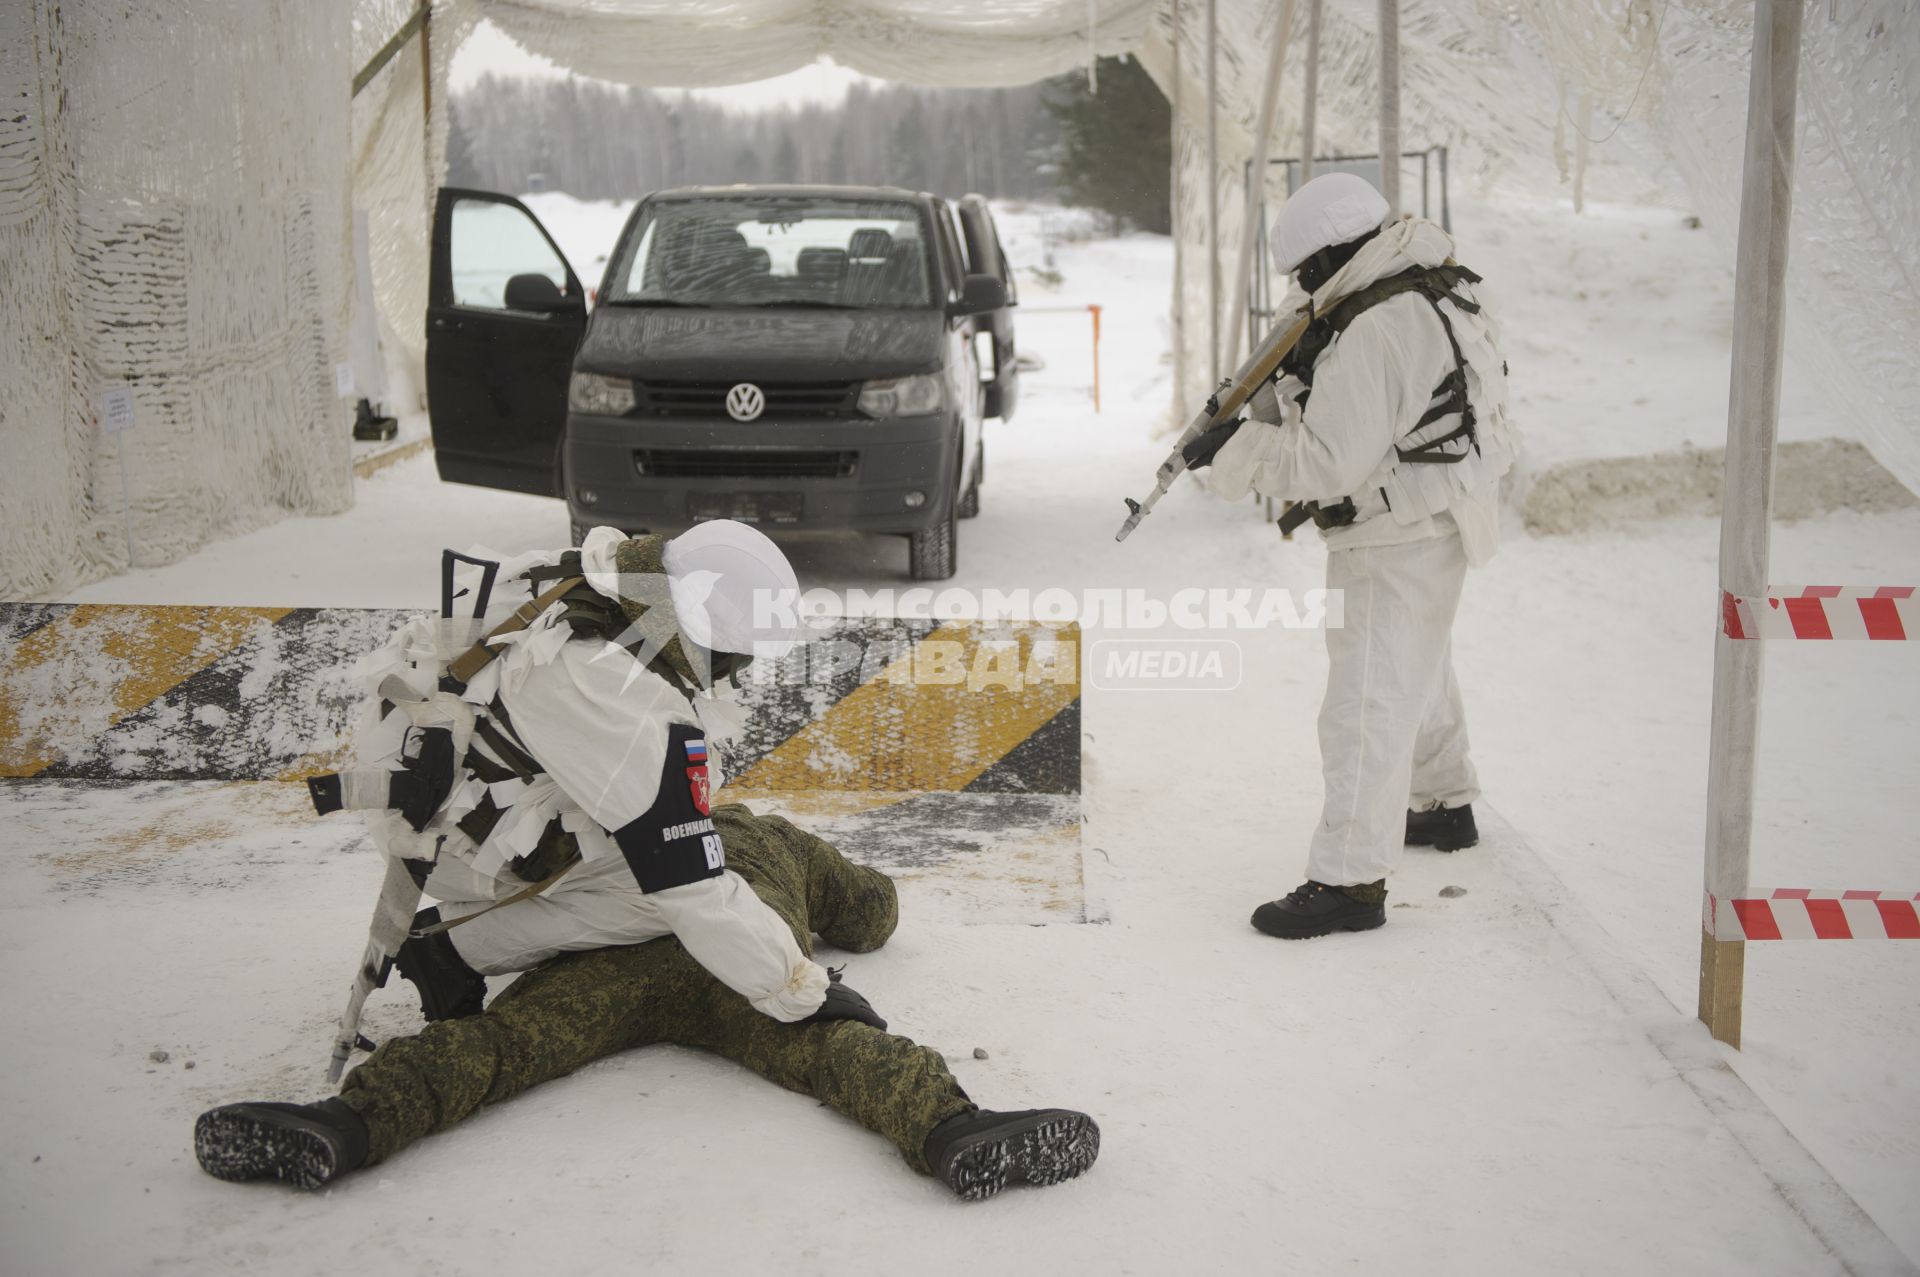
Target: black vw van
x=793 y=357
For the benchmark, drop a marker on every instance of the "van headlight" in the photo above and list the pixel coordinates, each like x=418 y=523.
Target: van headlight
x=590 y=392
x=904 y=396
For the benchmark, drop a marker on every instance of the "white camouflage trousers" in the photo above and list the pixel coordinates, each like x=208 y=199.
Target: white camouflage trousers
x=720 y=921
x=1393 y=734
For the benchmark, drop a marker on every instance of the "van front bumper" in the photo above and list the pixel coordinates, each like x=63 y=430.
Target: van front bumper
x=893 y=475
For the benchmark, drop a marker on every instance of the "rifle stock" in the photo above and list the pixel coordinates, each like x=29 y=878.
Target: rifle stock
x=1250 y=376
x=392 y=918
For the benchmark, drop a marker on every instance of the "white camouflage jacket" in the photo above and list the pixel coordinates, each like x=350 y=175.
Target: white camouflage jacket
x=1370 y=388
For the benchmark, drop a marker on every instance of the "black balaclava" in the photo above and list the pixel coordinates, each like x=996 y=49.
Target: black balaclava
x=1325 y=263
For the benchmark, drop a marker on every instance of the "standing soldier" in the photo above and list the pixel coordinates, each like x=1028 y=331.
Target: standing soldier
x=1388 y=424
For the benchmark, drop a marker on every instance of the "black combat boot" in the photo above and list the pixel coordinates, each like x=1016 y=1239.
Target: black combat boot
x=449 y=988
x=977 y=1152
x=1443 y=828
x=1315 y=909
x=306 y=1145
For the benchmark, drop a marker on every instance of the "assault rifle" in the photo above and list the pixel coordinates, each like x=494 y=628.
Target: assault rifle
x=1224 y=405
x=445 y=724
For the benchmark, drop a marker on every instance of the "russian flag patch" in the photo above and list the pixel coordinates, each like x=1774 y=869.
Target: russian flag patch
x=696 y=751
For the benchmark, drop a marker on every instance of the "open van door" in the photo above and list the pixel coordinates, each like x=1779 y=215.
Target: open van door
x=985 y=257
x=505 y=313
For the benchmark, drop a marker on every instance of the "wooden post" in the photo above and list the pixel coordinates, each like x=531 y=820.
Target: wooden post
x=1390 y=104
x=1753 y=414
x=1310 y=109
x=1257 y=180
x=1094 y=309
x=1213 y=194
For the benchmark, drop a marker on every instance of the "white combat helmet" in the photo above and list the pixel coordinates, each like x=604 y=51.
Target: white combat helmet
x=1331 y=209
x=732 y=589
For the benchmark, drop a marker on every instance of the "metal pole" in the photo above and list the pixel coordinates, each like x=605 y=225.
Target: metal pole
x=1179 y=238
x=1580 y=147
x=432 y=175
x=1310 y=110
x=390 y=48
x=1257 y=178
x=1213 y=194
x=1390 y=103
x=1753 y=413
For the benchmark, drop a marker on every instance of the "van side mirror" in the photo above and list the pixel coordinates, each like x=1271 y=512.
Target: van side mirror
x=538 y=293
x=978 y=295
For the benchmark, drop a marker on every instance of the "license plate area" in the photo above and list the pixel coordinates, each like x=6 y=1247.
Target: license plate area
x=780 y=509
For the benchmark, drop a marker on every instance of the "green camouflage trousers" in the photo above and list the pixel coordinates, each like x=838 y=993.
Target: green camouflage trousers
x=581 y=1007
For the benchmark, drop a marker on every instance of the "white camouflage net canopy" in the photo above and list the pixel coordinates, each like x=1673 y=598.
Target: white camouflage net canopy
x=174 y=219
x=177 y=179
x=1667 y=83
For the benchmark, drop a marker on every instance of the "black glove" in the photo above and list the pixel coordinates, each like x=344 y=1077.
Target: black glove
x=1199 y=451
x=844 y=1004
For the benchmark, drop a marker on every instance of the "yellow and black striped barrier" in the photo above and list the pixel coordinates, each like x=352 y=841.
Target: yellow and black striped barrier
x=947 y=754
x=136 y=692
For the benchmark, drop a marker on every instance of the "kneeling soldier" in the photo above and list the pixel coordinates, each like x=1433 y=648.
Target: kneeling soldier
x=581 y=1007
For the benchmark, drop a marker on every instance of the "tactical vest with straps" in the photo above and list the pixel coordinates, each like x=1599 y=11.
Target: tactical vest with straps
x=1435 y=283
x=590 y=614
x=428 y=769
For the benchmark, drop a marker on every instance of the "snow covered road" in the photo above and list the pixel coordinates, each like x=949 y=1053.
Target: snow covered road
x=1507 y=1080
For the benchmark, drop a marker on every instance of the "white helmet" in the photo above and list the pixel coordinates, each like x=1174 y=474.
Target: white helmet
x=1331 y=209
x=733 y=589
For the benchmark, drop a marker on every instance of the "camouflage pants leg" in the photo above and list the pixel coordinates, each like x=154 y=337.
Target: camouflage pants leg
x=549 y=1022
x=852 y=907
x=582 y=1007
x=887 y=1083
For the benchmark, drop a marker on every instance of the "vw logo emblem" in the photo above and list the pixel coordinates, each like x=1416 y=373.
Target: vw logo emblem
x=745 y=402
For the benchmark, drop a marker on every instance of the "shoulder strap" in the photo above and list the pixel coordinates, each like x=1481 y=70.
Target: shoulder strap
x=476 y=658
x=532 y=889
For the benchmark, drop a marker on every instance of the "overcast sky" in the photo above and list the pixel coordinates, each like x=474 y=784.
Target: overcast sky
x=487 y=50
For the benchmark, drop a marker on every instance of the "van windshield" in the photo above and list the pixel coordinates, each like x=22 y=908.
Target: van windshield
x=775 y=251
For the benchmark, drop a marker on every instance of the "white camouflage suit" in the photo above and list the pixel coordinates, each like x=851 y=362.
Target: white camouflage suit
x=603 y=727
x=1393 y=734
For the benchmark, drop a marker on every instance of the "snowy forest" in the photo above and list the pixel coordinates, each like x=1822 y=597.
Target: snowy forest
x=599 y=141
x=1056 y=139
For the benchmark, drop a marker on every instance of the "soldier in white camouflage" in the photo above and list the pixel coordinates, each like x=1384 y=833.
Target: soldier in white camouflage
x=581 y=1007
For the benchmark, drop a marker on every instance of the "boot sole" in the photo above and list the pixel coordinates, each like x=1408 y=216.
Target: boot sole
x=240 y=1146
x=1052 y=1151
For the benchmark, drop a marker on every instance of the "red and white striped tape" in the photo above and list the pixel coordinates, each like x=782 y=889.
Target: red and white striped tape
x=1823 y=612
x=1800 y=913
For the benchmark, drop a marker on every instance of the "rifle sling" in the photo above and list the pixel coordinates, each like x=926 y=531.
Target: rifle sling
x=470 y=662
x=524 y=893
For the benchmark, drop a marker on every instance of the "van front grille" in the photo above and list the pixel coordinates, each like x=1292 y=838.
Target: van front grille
x=746 y=464
x=709 y=399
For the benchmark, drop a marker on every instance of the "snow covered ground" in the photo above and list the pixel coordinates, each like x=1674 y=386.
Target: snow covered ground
x=1508 y=1080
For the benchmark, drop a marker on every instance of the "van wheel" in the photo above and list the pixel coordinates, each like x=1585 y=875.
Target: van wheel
x=970 y=499
x=933 y=555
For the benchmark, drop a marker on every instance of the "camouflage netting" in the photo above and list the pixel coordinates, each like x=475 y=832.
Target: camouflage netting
x=177 y=183
x=1662 y=85
x=173 y=218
